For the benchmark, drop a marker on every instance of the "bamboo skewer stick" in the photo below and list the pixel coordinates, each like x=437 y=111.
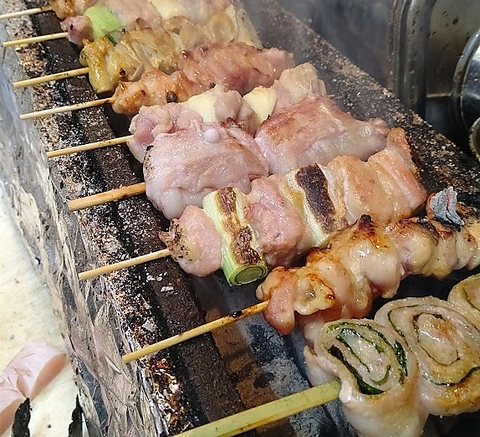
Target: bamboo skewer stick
x=34 y=39
x=25 y=12
x=88 y=274
x=254 y=417
x=106 y=197
x=195 y=332
x=61 y=109
x=51 y=77
x=89 y=146
x=268 y=413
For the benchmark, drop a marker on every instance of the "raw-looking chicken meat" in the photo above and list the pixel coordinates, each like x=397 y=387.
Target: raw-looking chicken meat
x=212 y=106
x=181 y=168
x=34 y=367
x=316 y=130
x=225 y=107
x=289 y=214
x=379 y=376
x=10 y=398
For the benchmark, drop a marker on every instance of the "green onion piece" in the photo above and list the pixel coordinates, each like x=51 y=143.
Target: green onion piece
x=242 y=261
x=103 y=21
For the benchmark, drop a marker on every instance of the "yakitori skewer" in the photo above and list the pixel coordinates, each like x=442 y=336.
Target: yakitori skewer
x=268 y=413
x=34 y=39
x=257 y=416
x=51 y=77
x=26 y=12
x=85 y=147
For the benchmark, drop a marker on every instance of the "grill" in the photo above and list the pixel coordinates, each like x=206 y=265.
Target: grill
x=215 y=375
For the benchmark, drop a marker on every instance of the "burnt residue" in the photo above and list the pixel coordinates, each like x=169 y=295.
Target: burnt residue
x=315 y=185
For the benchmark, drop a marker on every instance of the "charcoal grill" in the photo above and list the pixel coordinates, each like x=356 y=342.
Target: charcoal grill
x=215 y=375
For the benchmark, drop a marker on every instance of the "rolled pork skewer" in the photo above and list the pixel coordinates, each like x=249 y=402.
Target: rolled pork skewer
x=379 y=375
x=447 y=346
x=365 y=261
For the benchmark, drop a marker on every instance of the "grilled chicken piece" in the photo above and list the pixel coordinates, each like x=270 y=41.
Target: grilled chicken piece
x=215 y=105
x=316 y=128
x=292 y=213
x=126 y=55
x=138 y=14
x=363 y=262
x=225 y=107
x=69 y=8
x=181 y=168
x=236 y=66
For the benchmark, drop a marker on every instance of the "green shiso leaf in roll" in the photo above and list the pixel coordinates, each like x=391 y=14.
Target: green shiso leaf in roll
x=242 y=261
x=379 y=376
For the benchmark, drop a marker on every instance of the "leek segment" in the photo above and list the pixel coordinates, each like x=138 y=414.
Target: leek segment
x=242 y=262
x=103 y=21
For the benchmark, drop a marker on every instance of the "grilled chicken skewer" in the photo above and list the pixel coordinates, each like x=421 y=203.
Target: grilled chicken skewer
x=91 y=19
x=125 y=54
x=366 y=261
x=236 y=66
x=286 y=215
x=185 y=164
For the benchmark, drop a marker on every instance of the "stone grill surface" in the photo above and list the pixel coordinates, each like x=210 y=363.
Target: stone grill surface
x=237 y=367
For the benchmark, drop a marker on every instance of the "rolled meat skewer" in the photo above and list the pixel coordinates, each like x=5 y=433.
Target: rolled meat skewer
x=447 y=346
x=466 y=294
x=365 y=261
x=379 y=376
